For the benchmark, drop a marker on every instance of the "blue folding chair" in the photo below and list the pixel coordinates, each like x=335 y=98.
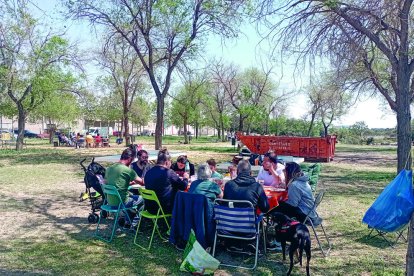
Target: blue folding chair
x=110 y=190
x=391 y=211
x=237 y=220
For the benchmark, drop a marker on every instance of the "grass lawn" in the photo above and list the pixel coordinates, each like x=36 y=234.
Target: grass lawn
x=44 y=228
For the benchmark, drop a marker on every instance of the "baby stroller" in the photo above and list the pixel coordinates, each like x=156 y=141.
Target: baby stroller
x=94 y=174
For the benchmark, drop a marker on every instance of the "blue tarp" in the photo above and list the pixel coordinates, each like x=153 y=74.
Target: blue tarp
x=393 y=208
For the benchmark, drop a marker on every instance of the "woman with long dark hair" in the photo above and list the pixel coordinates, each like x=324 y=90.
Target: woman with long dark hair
x=300 y=198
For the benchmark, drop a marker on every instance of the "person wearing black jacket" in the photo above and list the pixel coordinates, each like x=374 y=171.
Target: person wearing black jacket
x=245 y=187
x=179 y=166
x=165 y=182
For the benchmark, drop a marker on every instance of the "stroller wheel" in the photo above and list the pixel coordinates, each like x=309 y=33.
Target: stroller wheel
x=93 y=218
x=104 y=214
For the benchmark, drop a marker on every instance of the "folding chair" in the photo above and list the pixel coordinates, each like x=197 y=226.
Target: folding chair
x=110 y=190
x=309 y=221
x=150 y=195
x=391 y=211
x=386 y=235
x=238 y=223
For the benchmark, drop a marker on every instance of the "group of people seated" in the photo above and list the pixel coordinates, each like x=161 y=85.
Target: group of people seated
x=167 y=178
x=79 y=140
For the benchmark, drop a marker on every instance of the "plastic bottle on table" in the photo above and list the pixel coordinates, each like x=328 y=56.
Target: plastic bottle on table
x=187 y=167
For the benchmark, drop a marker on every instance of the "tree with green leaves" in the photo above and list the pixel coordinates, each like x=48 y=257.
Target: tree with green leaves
x=61 y=109
x=185 y=105
x=248 y=92
x=162 y=33
x=141 y=111
x=360 y=130
x=122 y=64
x=33 y=63
x=328 y=101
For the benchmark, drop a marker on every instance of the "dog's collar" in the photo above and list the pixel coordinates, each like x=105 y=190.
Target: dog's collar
x=287 y=225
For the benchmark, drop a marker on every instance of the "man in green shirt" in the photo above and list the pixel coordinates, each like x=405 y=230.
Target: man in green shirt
x=121 y=176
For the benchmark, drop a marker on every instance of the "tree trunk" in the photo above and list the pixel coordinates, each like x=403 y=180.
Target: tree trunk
x=404 y=149
x=241 y=121
x=185 y=130
x=325 y=128
x=410 y=249
x=21 y=122
x=311 y=124
x=221 y=130
x=50 y=131
x=126 y=124
x=159 y=123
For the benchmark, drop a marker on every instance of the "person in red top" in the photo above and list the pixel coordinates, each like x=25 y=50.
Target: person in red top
x=98 y=140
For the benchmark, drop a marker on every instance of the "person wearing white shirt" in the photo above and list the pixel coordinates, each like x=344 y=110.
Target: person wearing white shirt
x=271 y=173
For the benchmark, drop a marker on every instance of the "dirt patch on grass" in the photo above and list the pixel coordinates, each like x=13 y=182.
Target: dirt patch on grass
x=366 y=159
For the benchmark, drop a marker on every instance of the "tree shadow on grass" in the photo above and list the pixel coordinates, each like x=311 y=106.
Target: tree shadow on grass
x=357 y=183
x=18 y=272
x=382 y=240
x=163 y=258
x=377 y=242
x=46 y=156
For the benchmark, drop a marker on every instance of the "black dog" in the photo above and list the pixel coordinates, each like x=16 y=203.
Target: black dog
x=288 y=230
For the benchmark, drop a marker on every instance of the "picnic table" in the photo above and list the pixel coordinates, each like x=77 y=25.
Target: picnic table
x=255 y=168
x=152 y=156
x=274 y=195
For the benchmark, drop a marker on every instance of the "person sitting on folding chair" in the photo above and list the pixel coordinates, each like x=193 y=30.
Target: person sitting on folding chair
x=121 y=176
x=245 y=187
x=300 y=197
x=165 y=182
x=204 y=186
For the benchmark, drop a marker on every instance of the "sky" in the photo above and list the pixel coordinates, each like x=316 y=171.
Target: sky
x=246 y=51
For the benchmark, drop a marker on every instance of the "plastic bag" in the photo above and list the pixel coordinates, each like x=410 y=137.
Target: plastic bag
x=393 y=207
x=196 y=259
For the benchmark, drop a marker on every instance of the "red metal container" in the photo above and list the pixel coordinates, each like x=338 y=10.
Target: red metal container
x=311 y=148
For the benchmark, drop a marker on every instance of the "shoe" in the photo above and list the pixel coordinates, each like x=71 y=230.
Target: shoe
x=251 y=250
x=275 y=243
x=274 y=247
x=135 y=221
x=180 y=246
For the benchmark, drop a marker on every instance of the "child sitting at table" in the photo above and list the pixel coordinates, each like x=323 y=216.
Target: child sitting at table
x=212 y=164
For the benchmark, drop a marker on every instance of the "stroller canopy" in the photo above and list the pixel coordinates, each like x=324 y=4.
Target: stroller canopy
x=393 y=207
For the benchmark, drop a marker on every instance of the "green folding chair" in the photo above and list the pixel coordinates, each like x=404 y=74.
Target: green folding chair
x=110 y=190
x=150 y=195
